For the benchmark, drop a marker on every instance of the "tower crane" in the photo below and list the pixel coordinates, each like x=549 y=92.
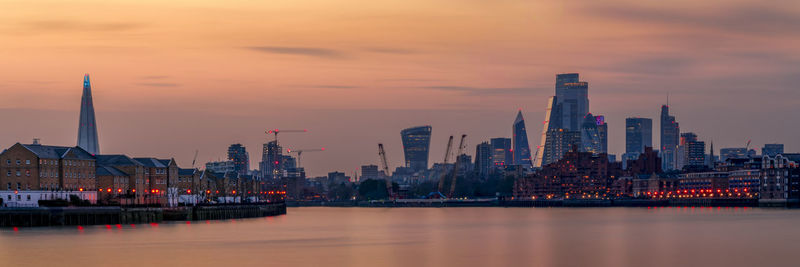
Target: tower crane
x=455 y=166
x=195 y=158
x=444 y=165
x=276 y=131
x=300 y=152
x=385 y=166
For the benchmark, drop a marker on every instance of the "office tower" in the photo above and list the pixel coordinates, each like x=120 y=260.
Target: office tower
x=682 y=153
x=670 y=135
x=696 y=153
x=563 y=118
x=241 y=160
x=87 y=127
x=638 y=135
x=772 y=150
x=483 y=159
x=573 y=99
x=416 y=144
x=522 y=151
x=558 y=143
x=602 y=131
x=464 y=164
x=271 y=161
x=501 y=152
x=591 y=140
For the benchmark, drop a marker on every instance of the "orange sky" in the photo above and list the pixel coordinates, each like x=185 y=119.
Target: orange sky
x=173 y=77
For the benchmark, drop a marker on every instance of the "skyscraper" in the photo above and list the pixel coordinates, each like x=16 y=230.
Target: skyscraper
x=483 y=159
x=271 y=165
x=638 y=135
x=573 y=100
x=87 y=126
x=670 y=135
x=591 y=140
x=241 y=160
x=682 y=153
x=602 y=131
x=522 y=151
x=563 y=118
x=501 y=152
x=416 y=145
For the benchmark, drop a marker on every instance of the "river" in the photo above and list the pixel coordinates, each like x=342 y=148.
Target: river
x=320 y=236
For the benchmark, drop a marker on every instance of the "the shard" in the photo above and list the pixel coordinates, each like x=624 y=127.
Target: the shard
x=87 y=127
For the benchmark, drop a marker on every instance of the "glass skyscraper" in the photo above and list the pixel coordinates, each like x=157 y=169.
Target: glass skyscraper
x=416 y=145
x=638 y=135
x=522 y=151
x=87 y=126
x=670 y=137
x=563 y=119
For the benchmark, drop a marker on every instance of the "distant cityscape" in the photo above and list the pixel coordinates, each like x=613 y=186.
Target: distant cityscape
x=570 y=162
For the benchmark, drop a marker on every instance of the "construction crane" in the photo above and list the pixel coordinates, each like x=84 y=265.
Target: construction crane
x=455 y=166
x=195 y=158
x=535 y=156
x=300 y=152
x=276 y=131
x=385 y=166
x=444 y=165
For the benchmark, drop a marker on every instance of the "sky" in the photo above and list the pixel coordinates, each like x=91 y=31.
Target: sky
x=174 y=77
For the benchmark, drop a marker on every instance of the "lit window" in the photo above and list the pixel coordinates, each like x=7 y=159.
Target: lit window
x=27 y=162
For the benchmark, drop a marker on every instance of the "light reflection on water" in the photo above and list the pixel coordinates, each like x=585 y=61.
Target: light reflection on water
x=428 y=237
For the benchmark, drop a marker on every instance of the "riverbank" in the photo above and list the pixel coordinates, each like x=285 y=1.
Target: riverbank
x=441 y=203
x=44 y=216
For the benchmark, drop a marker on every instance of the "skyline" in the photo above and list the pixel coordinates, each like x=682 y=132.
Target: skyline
x=330 y=75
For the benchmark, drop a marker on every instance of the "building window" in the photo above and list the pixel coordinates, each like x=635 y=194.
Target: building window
x=9 y=186
x=8 y=162
x=19 y=186
x=27 y=162
x=18 y=162
x=19 y=173
x=27 y=172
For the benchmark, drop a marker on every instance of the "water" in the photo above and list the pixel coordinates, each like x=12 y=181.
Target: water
x=429 y=237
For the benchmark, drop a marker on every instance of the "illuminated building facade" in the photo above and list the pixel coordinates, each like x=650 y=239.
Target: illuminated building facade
x=416 y=146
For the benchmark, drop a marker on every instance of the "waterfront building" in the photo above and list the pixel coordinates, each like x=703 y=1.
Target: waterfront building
x=271 y=165
x=501 y=152
x=113 y=186
x=416 y=146
x=295 y=182
x=465 y=164
x=134 y=170
x=483 y=159
x=32 y=172
x=87 y=125
x=638 y=135
x=780 y=180
x=159 y=176
x=646 y=163
x=521 y=149
x=670 y=139
x=241 y=159
x=772 y=150
x=575 y=176
x=338 y=178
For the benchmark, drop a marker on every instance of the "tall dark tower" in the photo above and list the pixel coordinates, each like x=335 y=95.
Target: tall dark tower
x=670 y=137
x=522 y=151
x=87 y=127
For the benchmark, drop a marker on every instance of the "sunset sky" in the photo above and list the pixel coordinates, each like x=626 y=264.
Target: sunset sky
x=172 y=77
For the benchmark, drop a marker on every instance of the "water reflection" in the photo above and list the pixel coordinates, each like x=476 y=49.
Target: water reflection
x=653 y=236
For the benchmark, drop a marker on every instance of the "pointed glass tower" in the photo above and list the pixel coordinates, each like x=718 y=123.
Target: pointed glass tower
x=87 y=129
x=522 y=151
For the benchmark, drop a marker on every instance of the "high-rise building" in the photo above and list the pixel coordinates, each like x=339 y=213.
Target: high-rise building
x=271 y=161
x=483 y=159
x=638 y=135
x=591 y=139
x=682 y=153
x=696 y=153
x=602 y=131
x=370 y=172
x=241 y=160
x=87 y=126
x=501 y=152
x=416 y=145
x=573 y=99
x=772 y=150
x=563 y=118
x=670 y=135
x=522 y=151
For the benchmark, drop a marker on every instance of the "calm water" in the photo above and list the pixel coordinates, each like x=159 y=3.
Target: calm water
x=430 y=237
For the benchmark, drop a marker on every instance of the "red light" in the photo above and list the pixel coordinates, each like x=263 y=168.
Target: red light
x=323 y=149
x=80 y=189
x=119 y=190
x=108 y=190
x=134 y=190
x=188 y=191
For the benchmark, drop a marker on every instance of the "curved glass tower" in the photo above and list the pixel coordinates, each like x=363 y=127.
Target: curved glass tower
x=416 y=144
x=87 y=127
x=522 y=151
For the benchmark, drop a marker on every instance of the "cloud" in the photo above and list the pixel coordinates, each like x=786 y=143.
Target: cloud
x=74 y=25
x=759 y=19
x=485 y=91
x=300 y=51
x=159 y=84
x=389 y=50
